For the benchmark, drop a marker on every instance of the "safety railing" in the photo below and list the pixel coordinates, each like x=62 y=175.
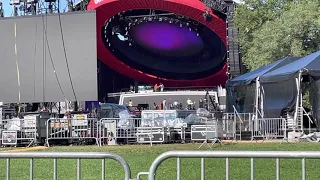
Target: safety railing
x=65 y=155
x=18 y=131
x=72 y=129
x=277 y=155
x=113 y=129
x=269 y=128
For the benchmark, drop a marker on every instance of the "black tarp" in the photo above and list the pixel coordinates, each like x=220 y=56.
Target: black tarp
x=314 y=95
x=242 y=98
x=241 y=90
x=310 y=64
x=278 y=97
x=251 y=76
x=283 y=79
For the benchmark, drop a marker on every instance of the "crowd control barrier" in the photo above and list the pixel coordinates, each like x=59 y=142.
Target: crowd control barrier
x=65 y=155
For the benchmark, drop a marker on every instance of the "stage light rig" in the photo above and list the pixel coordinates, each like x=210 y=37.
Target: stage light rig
x=1 y=10
x=34 y=7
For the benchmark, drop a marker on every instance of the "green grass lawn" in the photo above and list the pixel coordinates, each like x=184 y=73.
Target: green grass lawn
x=140 y=158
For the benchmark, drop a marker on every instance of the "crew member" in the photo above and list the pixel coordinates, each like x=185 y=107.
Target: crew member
x=161 y=87
x=130 y=103
x=189 y=104
x=155 y=88
x=164 y=104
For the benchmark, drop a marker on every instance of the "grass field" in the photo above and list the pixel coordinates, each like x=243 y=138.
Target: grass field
x=140 y=158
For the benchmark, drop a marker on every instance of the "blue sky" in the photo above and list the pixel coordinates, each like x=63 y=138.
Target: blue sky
x=8 y=8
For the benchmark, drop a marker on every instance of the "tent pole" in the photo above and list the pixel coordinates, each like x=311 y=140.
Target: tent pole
x=261 y=101
x=298 y=83
x=257 y=97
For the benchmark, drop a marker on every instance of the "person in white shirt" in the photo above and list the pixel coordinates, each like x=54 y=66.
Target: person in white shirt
x=161 y=87
x=189 y=104
x=164 y=104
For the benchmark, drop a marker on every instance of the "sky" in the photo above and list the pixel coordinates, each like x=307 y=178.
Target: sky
x=8 y=8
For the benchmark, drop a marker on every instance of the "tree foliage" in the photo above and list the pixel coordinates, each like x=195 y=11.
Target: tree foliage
x=272 y=29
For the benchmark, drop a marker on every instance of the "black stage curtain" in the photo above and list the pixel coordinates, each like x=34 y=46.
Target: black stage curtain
x=242 y=97
x=315 y=100
x=279 y=97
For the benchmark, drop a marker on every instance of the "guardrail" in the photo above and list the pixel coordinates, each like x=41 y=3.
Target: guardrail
x=132 y=130
x=65 y=155
x=303 y=155
x=269 y=128
x=18 y=131
x=71 y=129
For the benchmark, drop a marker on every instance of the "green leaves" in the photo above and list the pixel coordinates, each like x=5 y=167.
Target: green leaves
x=272 y=29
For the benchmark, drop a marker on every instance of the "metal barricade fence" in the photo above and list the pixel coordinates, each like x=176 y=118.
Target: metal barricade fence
x=18 y=131
x=136 y=130
x=228 y=125
x=73 y=129
x=65 y=155
x=269 y=128
x=112 y=129
x=303 y=155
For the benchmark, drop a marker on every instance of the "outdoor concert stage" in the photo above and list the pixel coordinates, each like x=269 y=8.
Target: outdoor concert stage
x=162 y=41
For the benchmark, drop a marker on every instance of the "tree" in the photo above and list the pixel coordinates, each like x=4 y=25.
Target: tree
x=272 y=29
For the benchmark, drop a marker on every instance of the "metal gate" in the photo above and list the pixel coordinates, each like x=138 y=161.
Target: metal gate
x=303 y=155
x=64 y=155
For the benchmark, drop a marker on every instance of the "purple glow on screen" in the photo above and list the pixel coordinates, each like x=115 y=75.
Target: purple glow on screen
x=167 y=39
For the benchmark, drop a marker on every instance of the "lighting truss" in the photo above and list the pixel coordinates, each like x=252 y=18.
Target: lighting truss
x=1 y=10
x=34 y=7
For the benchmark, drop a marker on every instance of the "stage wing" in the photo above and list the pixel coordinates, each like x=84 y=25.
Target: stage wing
x=41 y=58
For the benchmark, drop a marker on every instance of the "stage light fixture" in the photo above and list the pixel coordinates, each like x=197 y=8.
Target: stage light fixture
x=32 y=1
x=160 y=19
x=15 y=2
x=207 y=16
x=180 y=25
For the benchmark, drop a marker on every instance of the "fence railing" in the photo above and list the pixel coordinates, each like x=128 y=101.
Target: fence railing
x=152 y=173
x=65 y=155
x=277 y=155
x=269 y=128
x=134 y=130
x=14 y=130
x=70 y=129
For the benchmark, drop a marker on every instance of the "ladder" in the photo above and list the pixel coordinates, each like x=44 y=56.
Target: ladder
x=299 y=120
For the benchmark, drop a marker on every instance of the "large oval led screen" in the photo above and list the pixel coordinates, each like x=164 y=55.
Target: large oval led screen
x=166 y=38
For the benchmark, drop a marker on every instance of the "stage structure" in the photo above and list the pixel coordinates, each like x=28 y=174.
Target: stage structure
x=176 y=42
x=48 y=58
x=249 y=94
